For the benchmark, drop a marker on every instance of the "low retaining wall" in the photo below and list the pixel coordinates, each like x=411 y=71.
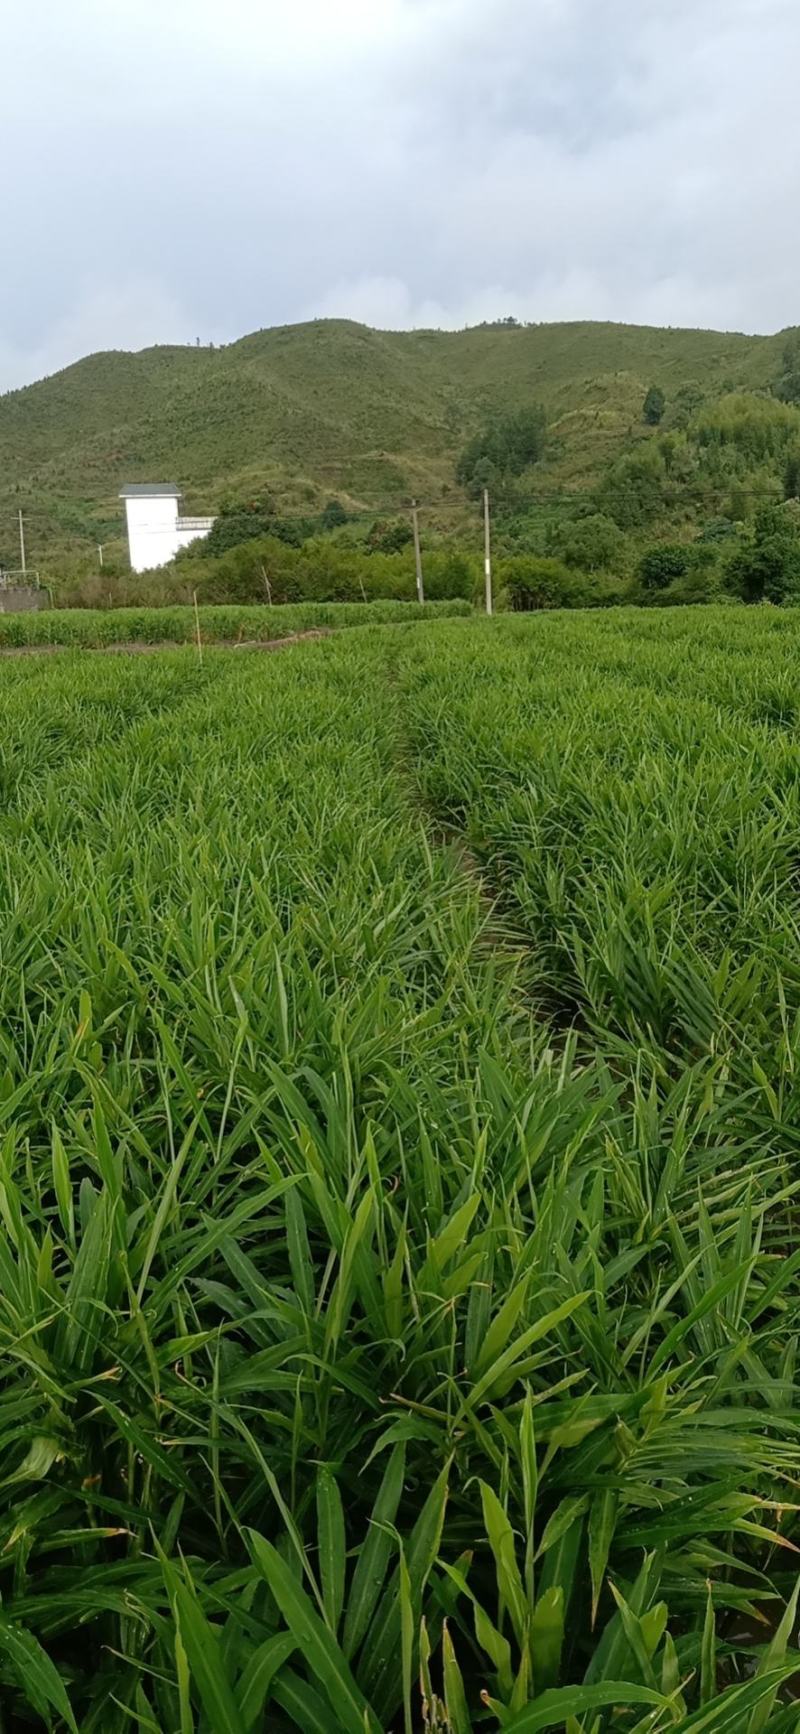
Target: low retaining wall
x=22 y=598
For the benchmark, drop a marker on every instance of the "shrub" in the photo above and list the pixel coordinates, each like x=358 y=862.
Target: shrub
x=654 y=406
x=333 y=515
x=718 y=530
x=787 y=385
x=534 y=581
x=766 y=568
x=389 y=537
x=632 y=493
x=505 y=448
x=324 y=570
x=236 y=523
x=700 y=583
x=593 y=544
x=659 y=565
x=791 y=475
x=757 y=427
x=449 y=573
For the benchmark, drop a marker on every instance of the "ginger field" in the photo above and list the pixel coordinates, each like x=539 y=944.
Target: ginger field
x=102 y=628
x=399 y=1129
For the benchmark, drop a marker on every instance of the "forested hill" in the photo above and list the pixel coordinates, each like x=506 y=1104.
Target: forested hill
x=332 y=407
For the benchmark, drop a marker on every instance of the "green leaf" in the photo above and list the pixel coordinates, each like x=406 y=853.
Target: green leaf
x=376 y=1552
x=504 y=1363
x=773 y=1657
x=62 y=1186
x=332 y=1549
x=602 y=1521
x=708 y=1654
x=632 y=1627
x=725 y=1715
x=300 y=1263
x=458 y=1716
x=530 y=1483
x=319 y=1649
x=502 y=1325
x=546 y=1639
x=406 y=1641
x=379 y=1669
x=38 y=1460
x=554 y=1707
x=39 y=1680
x=309 y=1712
x=492 y=1642
x=257 y=1677
x=184 y=1682
x=501 y=1541
x=201 y=1645
x=612 y=1652
x=710 y=1300
x=453 y=1235
x=562 y=1520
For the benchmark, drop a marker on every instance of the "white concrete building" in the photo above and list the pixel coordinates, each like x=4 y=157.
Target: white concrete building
x=155 y=530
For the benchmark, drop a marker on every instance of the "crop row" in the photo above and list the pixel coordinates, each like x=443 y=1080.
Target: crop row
x=94 y=627
x=380 y=1305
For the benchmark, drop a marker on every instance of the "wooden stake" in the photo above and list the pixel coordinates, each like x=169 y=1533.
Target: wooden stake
x=417 y=554
x=487 y=551
x=197 y=625
x=266 y=583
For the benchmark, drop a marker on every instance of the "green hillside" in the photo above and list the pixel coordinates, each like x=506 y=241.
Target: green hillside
x=331 y=407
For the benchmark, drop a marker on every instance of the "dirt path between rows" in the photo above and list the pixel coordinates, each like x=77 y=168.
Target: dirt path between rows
x=138 y=647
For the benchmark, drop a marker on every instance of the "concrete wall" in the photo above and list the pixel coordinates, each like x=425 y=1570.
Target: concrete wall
x=155 y=532
x=22 y=598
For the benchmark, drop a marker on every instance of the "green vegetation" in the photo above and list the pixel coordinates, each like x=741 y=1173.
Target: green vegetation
x=400 y=1051
x=791 y=475
x=244 y=521
x=323 y=570
x=502 y=451
x=529 y=581
x=659 y=565
x=311 y=441
x=766 y=566
x=330 y=410
x=787 y=386
x=88 y=627
x=592 y=544
x=654 y=406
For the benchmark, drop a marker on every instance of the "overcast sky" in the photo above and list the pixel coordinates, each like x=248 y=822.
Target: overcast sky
x=181 y=168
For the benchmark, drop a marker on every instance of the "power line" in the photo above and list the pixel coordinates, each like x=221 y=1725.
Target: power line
x=45 y=525
x=399 y=505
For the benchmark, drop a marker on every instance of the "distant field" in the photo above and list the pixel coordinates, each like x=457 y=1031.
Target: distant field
x=399 y=1057
x=95 y=627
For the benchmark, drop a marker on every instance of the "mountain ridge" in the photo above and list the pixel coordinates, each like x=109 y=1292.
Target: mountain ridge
x=335 y=407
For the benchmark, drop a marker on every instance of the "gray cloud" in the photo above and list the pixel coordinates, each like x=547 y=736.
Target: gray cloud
x=200 y=169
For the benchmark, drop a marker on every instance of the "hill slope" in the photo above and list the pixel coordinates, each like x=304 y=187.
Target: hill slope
x=334 y=407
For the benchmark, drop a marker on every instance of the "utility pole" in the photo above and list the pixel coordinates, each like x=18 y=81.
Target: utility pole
x=22 y=542
x=487 y=551
x=417 y=554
